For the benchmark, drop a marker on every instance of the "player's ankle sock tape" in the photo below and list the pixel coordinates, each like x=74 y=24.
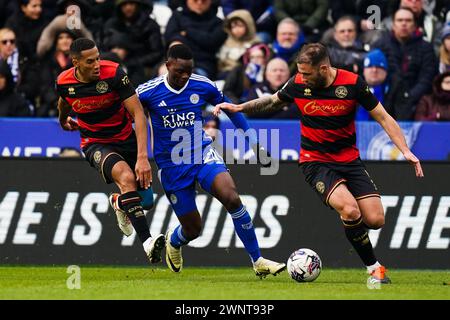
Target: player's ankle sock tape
x=358 y=236
x=130 y=202
x=178 y=237
x=147 y=198
x=246 y=232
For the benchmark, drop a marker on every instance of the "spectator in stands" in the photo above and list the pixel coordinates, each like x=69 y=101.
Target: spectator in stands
x=438 y=8
x=136 y=32
x=412 y=65
x=12 y=104
x=288 y=42
x=9 y=52
x=175 y=5
x=428 y=24
x=198 y=27
x=311 y=15
x=345 y=50
x=119 y=44
x=276 y=75
x=56 y=61
x=27 y=24
x=436 y=106
x=444 y=50
x=359 y=11
x=240 y=27
x=376 y=75
x=367 y=15
x=262 y=13
x=93 y=13
x=68 y=17
x=250 y=72
x=7 y=9
x=100 y=11
x=25 y=72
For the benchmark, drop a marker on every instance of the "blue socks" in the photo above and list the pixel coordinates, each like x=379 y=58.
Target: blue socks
x=245 y=231
x=178 y=239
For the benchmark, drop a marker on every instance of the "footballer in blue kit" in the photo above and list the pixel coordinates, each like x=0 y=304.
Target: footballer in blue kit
x=185 y=156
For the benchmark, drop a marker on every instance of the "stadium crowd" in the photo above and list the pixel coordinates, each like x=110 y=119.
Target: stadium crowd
x=400 y=47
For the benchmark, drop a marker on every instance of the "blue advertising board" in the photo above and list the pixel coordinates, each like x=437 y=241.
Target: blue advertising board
x=428 y=140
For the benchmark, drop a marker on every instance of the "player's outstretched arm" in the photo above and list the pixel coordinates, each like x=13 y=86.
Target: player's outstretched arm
x=142 y=169
x=395 y=133
x=260 y=105
x=66 y=122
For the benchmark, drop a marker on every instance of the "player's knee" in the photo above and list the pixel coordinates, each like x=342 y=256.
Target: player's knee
x=375 y=222
x=350 y=212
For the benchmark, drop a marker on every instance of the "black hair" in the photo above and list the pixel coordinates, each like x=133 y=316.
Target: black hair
x=313 y=54
x=407 y=9
x=179 y=51
x=80 y=45
x=347 y=18
x=66 y=31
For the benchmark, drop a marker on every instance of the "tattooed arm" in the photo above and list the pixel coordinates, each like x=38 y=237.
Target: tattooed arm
x=260 y=105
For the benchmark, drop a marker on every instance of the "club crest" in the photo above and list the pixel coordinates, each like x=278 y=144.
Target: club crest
x=341 y=92
x=101 y=87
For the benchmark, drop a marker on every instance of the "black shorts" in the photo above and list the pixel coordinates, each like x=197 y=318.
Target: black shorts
x=325 y=177
x=104 y=156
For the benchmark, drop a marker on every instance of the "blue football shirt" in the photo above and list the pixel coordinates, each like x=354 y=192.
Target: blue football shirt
x=176 y=118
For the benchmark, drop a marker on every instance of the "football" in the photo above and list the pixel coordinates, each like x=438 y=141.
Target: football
x=304 y=265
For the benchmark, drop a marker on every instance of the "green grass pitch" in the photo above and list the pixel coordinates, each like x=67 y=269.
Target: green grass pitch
x=101 y=282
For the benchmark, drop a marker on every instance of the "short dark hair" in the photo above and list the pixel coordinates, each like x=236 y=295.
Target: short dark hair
x=347 y=18
x=407 y=9
x=313 y=54
x=179 y=51
x=80 y=45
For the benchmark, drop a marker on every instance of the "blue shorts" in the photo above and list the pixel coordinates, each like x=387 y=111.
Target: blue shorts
x=179 y=183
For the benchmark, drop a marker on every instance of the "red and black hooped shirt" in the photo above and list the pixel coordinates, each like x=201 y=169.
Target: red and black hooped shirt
x=98 y=105
x=328 y=116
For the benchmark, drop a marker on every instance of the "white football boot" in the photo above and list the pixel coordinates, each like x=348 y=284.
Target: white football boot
x=123 y=221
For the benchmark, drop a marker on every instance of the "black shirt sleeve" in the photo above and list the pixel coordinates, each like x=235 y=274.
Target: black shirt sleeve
x=364 y=96
x=286 y=93
x=59 y=90
x=122 y=85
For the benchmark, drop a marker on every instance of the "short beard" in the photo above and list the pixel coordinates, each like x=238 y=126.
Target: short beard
x=320 y=83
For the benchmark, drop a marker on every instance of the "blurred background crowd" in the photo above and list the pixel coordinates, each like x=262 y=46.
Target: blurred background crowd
x=400 y=47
